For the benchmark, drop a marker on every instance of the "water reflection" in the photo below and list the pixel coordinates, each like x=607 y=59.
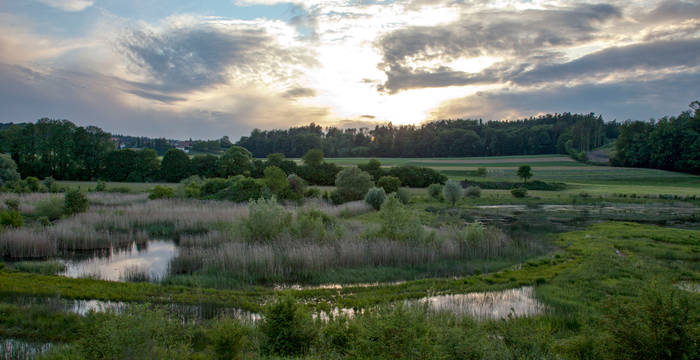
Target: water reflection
x=116 y=264
x=488 y=305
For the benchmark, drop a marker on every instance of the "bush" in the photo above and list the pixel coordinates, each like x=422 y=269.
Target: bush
x=473 y=191
x=335 y=197
x=398 y=222
x=297 y=187
x=214 y=185
x=312 y=192
x=375 y=197
x=32 y=183
x=413 y=176
x=41 y=267
x=12 y=204
x=352 y=183
x=101 y=186
x=8 y=170
x=161 y=192
x=390 y=184
x=276 y=180
x=11 y=218
x=481 y=172
x=507 y=185
x=452 y=192
x=435 y=191
x=242 y=189
x=266 y=220
x=316 y=226
x=51 y=208
x=374 y=168
x=404 y=195
x=51 y=184
x=519 y=192
x=228 y=339
x=75 y=202
x=287 y=327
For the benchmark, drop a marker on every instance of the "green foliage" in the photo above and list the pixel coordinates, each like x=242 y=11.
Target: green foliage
x=352 y=183
x=41 y=267
x=32 y=183
x=51 y=208
x=11 y=218
x=235 y=161
x=212 y=186
x=413 y=176
x=525 y=172
x=204 y=165
x=507 y=185
x=190 y=187
x=313 y=158
x=287 y=327
x=452 y=191
x=374 y=168
x=390 y=184
x=404 y=195
x=375 y=197
x=229 y=339
x=50 y=184
x=473 y=191
x=101 y=186
x=175 y=166
x=276 y=180
x=297 y=186
x=519 y=192
x=435 y=191
x=399 y=223
x=661 y=324
x=243 y=189
x=12 y=204
x=316 y=226
x=161 y=192
x=481 y=172
x=75 y=202
x=8 y=170
x=266 y=220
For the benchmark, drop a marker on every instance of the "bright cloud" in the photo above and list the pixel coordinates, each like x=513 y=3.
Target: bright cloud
x=69 y=5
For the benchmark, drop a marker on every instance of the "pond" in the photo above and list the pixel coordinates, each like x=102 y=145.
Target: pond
x=144 y=261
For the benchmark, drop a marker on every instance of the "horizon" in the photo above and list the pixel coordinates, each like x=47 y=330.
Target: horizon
x=182 y=69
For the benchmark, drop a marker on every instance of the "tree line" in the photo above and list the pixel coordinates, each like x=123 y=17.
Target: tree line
x=670 y=143
x=547 y=134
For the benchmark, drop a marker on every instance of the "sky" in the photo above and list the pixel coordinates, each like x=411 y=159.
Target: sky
x=205 y=69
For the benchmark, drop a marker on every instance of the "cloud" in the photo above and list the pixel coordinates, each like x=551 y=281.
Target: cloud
x=201 y=56
x=635 y=99
x=299 y=92
x=69 y=5
x=528 y=36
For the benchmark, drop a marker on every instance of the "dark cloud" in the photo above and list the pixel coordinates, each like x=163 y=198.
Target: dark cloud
x=637 y=100
x=647 y=56
x=182 y=60
x=155 y=96
x=529 y=35
x=299 y=92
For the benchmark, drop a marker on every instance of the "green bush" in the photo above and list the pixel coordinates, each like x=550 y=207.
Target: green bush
x=12 y=204
x=316 y=226
x=519 y=192
x=11 y=218
x=398 y=222
x=297 y=185
x=413 y=176
x=266 y=220
x=312 y=192
x=41 y=267
x=161 y=192
x=32 y=183
x=336 y=197
x=287 y=328
x=473 y=192
x=276 y=180
x=352 y=183
x=101 y=186
x=8 y=170
x=481 y=172
x=51 y=184
x=214 y=185
x=228 y=339
x=404 y=195
x=390 y=184
x=375 y=197
x=75 y=202
x=51 y=208
x=452 y=191
x=242 y=189
x=435 y=191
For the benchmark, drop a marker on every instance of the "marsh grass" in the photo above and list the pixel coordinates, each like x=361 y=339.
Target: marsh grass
x=41 y=267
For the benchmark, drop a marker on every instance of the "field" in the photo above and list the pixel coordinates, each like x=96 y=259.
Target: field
x=606 y=268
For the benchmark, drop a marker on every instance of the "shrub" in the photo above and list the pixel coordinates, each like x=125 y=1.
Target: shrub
x=51 y=208
x=242 y=189
x=75 y=202
x=8 y=170
x=228 y=339
x=413 y=176
x=519 y=192
x=101 y=186
x=11 y=218
x=435 y=191
x=473 y=191
x=374 y=168
x=390 y=184
x=481 y=172
x=352 y=183
x=51 y=184
x=404 y=195
x=266 y=220
x=287 y=327
x=375 y=197
x=312 y=192
x=398 y=222
x=452 y=192
x=297 y=186
x=335 y=197
x=41 y=267
x=316 y=226
x=12 y=204
x=32 y=183
x=161 y=192
x=214 y=185
x=276 y=180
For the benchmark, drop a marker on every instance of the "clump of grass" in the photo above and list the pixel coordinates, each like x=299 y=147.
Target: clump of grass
x=41 y=267
x=135 y=274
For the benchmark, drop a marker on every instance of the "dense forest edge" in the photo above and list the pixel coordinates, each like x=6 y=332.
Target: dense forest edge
x=62 y=150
